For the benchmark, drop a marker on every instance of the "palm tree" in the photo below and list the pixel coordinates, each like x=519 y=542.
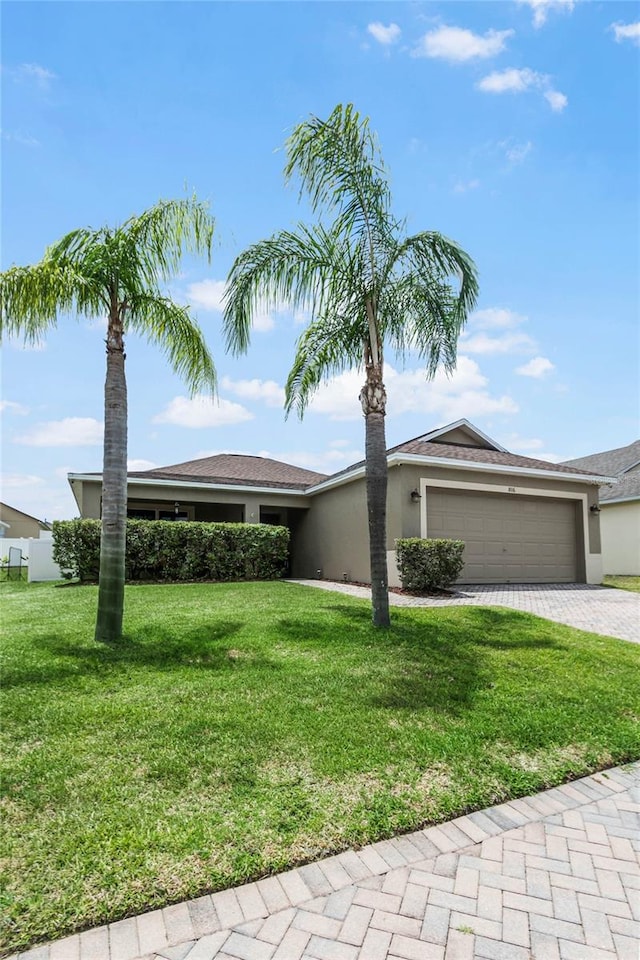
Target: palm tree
x=365 y=285
x=117 y=272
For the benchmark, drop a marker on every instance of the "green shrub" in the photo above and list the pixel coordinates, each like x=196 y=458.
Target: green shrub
x=429 y=564
x=76 y=548
x=164 y=550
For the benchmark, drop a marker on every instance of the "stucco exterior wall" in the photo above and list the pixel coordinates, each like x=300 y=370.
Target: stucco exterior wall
x=620 y=525
x=411 y=476
x=19 y=524
x=88 y=493
x=333 y=536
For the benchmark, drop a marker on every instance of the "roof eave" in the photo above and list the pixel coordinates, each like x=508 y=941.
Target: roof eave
x=192 y=485
x=419 y=459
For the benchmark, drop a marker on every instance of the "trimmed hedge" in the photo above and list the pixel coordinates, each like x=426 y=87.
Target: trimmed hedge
x=429 y=564
x=163 y=550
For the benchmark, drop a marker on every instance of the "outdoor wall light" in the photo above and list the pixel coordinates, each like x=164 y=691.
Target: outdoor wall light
x=176 y=508
x=416 y=496
x=594 y=508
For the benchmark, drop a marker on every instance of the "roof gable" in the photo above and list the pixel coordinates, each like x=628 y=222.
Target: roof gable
x=27 y=516
x=461 y=433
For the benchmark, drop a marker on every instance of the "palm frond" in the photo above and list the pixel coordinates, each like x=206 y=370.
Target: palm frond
x=164 y=232
x=329 y=346
x=32 y=298
x=431 y=252
x=309 y=269
x=176 y=332
x=339 y=165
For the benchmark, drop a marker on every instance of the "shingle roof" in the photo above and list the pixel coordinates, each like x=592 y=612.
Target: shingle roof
x=615 y=463
x=627 y=488
x=236 y=468
x=450 y=451
x=610 y=463
x=480 y=455
x=243 y=470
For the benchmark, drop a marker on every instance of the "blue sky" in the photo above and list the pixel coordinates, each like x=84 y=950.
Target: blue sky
x=511 y=127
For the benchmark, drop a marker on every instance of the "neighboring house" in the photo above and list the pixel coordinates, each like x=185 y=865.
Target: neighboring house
x=15 y=523
x=620 y=507
x=523 y=520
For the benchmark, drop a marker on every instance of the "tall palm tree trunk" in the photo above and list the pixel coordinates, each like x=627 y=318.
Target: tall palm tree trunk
x=373 y=399
x=114 y=487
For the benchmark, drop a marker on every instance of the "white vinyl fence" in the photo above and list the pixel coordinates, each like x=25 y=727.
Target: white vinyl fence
x=37 y=554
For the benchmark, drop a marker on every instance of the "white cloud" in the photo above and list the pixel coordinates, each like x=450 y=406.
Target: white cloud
x=25 y=346
x=10 y=407
x=141 y=465
x=482 y=343
x=324 y=461
x=519 y=444
x=510 y=80
x=557 y=101
x=541 y=8
x=202 y=411
x=626 y=31
x=551 y=457
x=263 y=321
x=464 y=187
x=536 y=367
x=39 y=496
x=495 y=318
x=17 y=482
x=267 y=391
x=457 y=45
x=516 y=152
x=529 y=447
x=463 y=394
x=23 y=139
x=513 y=80
x=70 y=432
x=209 y=295
x=327 y=461
x=384 y=35
x=32 y=72
x=503 y=337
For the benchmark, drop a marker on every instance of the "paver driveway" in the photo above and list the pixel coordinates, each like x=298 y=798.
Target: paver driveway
x=549 y=877
x=604 y=610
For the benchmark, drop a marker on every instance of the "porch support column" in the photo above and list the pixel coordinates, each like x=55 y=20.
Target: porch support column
x=252 y=510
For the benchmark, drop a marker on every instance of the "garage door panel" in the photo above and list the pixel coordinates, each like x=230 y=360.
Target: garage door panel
x=507 y=538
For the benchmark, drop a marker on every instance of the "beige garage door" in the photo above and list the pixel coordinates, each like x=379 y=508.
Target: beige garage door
x=509 y=539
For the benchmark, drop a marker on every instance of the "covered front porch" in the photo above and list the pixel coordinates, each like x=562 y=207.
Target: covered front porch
x=245 y=510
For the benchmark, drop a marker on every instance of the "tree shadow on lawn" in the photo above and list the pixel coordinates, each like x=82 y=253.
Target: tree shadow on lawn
x=434 y=662
x=203 y=648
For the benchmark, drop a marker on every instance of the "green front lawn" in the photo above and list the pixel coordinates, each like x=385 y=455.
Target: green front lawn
x=248 y=727
x=623 y=583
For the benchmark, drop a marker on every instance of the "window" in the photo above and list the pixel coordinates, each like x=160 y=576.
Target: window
x=139 y=510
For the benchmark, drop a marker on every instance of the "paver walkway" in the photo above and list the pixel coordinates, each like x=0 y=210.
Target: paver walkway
x=555 y=876
x=604 y=610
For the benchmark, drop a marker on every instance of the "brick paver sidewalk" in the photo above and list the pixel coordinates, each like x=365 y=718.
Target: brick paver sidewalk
x=555 y=876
